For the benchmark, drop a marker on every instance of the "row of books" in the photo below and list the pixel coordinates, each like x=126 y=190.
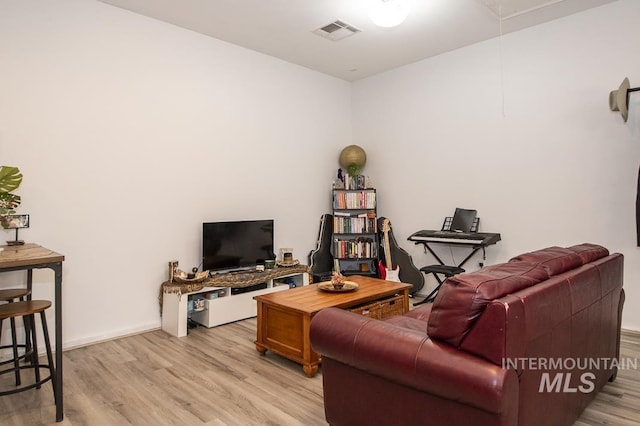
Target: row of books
x=355 y=225
x=353 y=182
x=354 y=200
x=356 y=248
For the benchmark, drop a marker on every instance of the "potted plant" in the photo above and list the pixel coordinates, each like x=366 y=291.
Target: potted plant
x=10 y=180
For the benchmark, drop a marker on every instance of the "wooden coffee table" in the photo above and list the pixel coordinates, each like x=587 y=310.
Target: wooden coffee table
x=284 y=317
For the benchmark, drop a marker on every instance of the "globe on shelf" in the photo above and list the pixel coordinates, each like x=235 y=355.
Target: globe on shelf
x=353 y=158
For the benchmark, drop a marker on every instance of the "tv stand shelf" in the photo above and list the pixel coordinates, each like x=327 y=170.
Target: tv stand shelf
x=231 y=303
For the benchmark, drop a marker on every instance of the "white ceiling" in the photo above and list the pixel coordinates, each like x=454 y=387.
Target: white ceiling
x=283 y=28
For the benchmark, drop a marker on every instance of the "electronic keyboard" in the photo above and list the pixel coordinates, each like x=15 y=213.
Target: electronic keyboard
x=452 y=237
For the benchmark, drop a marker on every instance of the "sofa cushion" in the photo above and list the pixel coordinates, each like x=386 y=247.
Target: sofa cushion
x=404 y=321
x=462 y=298
x=555 y=259
x=589 y=252
x=500 y=331
x=422 y=312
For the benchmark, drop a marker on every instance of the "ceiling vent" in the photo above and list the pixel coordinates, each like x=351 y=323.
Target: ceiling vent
x=336 y=30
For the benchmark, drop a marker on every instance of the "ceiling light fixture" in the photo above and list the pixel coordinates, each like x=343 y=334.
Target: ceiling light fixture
x=389 y=13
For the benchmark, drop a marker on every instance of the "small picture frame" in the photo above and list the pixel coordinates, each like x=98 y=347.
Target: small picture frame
x=15 y=221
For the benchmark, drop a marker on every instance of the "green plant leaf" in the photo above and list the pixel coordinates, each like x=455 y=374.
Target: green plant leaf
x=8 y=203
x=353 y=169
x=10 y=178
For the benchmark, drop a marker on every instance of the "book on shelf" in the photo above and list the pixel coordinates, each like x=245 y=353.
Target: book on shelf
x=365 y=199
x=355 y=225
x=343 y=214
x=356 y=182
x=356 y=248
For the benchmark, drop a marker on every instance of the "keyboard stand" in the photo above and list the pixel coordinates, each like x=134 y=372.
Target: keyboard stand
x=474 y=250
x=475 y=241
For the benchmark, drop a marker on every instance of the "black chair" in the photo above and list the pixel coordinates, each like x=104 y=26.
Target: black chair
x=437 y=270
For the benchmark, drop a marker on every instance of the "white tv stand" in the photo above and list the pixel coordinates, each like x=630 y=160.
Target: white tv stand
x=224 y=303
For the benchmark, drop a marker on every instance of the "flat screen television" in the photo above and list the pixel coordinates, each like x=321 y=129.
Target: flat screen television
x=236 y=245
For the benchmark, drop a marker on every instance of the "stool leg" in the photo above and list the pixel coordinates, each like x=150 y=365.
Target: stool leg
x=27 y=338
x=29 y=354
x=16 y=360
x=34 y=339
x=47 y=343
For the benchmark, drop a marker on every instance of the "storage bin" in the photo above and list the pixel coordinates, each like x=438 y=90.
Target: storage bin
x=379 y=309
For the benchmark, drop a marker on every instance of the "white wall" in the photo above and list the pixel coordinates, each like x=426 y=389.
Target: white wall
x=553 y=167
x=131 y=132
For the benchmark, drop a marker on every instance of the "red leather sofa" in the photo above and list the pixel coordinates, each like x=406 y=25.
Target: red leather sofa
x=526 y=342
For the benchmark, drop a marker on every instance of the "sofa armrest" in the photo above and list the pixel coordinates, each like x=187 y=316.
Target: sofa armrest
x=409 y=358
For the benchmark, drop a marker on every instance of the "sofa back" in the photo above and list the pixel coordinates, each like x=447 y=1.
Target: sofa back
x=462 y=299
x=481 y=312
x=574 y=314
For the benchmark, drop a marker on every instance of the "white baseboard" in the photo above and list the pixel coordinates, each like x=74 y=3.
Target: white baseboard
x=116 y=334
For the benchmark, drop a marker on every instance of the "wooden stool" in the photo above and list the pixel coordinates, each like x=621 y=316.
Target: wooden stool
x=27 y=310
x=10 y=295
x=437 y=270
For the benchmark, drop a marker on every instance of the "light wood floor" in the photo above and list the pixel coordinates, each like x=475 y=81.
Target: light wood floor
x=216 y=377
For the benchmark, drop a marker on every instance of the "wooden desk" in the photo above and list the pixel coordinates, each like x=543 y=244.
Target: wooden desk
x=29 y=257
x=284 y=317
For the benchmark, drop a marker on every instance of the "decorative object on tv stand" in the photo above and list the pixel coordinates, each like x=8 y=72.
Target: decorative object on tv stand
x=619 y=99
x=173 y=265
x=180 y=276
x=286 y=258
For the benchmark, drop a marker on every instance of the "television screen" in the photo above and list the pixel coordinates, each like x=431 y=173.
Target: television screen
x=236 y=245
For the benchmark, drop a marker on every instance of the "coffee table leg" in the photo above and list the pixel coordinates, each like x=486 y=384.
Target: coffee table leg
x=261 y=349
x=310 y=370
x=260 y=332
